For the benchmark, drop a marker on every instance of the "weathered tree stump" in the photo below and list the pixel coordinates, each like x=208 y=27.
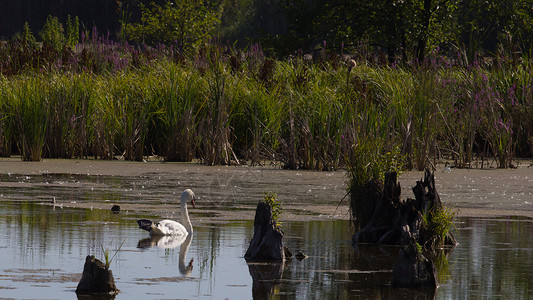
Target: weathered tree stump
x=96 y=278
x=397 y=222
x=267 y=242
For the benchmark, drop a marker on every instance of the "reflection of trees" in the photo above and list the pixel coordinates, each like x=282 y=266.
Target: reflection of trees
x=207 y=257
x=335 y=269
x=39 y=231
x=494 y=257
x=326 y=242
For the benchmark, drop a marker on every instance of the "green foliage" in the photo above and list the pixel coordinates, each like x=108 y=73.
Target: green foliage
x=368 y=161
x=72 y=33
x=53 y=33
x=439 y=222
x=418 y=248
x=402 y=28
x=108 y=259
x=27 y=35
x=271 y=200
x=184 y=23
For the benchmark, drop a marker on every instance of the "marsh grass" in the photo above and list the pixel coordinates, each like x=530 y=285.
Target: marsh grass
x=224 y=106
x=29 y=104
x=439 y=222
x=175 y=126
x=216 y=145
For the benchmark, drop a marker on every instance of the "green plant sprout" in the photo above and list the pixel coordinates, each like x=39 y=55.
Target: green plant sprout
x=106 y=254
x=271 y=199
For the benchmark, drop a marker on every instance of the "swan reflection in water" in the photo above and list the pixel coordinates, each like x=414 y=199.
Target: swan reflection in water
x=169 y=242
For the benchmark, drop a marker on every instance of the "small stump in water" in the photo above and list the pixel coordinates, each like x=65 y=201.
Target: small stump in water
x=267 y=242
x=96 y=278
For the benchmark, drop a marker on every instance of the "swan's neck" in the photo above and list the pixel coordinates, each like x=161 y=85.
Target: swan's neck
x=185 y=217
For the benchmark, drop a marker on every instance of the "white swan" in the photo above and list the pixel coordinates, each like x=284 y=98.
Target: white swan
x=170 y=227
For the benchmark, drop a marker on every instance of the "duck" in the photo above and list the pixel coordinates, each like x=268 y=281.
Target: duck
x=171 y=227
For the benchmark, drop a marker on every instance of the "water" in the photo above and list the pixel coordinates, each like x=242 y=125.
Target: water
x=44 y=248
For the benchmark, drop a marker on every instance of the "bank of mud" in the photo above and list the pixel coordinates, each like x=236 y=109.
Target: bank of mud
x=228 y=193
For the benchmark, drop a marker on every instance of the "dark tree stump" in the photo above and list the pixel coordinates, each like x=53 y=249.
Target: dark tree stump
x=96 y=278
x=267 y=242
x=397 y=222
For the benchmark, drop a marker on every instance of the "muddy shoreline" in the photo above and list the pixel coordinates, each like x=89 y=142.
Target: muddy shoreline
x=229 y=193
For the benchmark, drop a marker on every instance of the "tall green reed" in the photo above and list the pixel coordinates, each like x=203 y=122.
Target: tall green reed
x=7 y=122
x=215 y=128
x=27 y=97
x=70 y=104
x=105 y=122
x=180 y=94
x=137 y=108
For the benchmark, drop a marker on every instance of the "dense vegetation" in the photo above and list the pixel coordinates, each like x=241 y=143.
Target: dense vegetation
x=408 y=103
x=107 y=100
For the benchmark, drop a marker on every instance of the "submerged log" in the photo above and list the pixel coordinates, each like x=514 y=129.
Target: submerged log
x=267 y=242
x=96 y=278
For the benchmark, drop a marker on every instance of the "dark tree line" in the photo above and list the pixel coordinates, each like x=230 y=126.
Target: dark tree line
x=402 y=29
x=104 y=14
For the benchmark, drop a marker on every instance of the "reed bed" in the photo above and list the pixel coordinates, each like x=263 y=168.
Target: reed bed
x=224 y=106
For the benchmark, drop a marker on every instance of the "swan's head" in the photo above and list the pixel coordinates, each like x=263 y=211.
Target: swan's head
x=187 y=196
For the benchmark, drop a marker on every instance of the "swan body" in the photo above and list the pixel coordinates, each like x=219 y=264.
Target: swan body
x=171 y=227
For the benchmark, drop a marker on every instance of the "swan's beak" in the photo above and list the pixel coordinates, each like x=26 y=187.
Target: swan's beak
x=192 y=202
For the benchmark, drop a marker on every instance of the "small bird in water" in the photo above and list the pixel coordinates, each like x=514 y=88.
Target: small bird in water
x=300 y=256
x=115 y=209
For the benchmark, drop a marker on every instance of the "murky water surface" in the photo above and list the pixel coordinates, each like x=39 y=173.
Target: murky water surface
x=43 y=247
x=43 y=251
